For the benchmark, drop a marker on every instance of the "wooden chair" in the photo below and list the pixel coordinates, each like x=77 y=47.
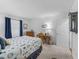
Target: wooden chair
x=42 y=36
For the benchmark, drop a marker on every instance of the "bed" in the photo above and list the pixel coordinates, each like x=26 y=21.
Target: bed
x=23 y=47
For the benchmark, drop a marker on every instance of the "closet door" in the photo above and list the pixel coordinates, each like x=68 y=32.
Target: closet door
x=15 y=25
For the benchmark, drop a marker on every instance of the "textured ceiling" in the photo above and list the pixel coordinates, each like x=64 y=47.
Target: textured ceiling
x=34 y=8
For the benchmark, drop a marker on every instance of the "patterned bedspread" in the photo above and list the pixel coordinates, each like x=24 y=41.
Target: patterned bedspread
x=20 y=47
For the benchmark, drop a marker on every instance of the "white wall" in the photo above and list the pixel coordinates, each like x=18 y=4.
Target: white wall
x=62 y=33
x=74 y=36
x=26 y=21
x=2 y=25
x=74 y=7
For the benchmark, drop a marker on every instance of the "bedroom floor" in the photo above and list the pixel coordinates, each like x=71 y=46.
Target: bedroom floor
x=54 y=52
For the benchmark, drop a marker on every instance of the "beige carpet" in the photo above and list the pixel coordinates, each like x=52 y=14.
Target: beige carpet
x=54 y=52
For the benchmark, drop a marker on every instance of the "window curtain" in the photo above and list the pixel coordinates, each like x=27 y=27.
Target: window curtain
x=8 y=33
x=21 y=28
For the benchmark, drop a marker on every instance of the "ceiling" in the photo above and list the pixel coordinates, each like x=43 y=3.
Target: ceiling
x=34 y=8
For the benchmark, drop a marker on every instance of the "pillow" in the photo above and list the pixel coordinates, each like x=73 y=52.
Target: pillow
x=8 y=41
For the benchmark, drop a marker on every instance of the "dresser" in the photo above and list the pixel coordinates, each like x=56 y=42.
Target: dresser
x=30 y=33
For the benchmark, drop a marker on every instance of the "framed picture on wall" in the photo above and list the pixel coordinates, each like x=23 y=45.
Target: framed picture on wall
x=25 y=26
x=74 y=21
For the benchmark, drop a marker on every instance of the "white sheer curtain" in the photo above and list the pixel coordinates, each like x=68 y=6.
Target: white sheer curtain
x=15 y=28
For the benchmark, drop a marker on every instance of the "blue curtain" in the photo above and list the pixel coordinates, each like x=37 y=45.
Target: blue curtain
x=8 y=28
x=21 y=28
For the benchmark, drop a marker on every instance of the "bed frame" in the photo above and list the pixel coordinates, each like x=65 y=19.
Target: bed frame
x=35 y=54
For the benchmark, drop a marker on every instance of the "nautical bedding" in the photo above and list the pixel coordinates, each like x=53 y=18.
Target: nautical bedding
x=21 y=47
